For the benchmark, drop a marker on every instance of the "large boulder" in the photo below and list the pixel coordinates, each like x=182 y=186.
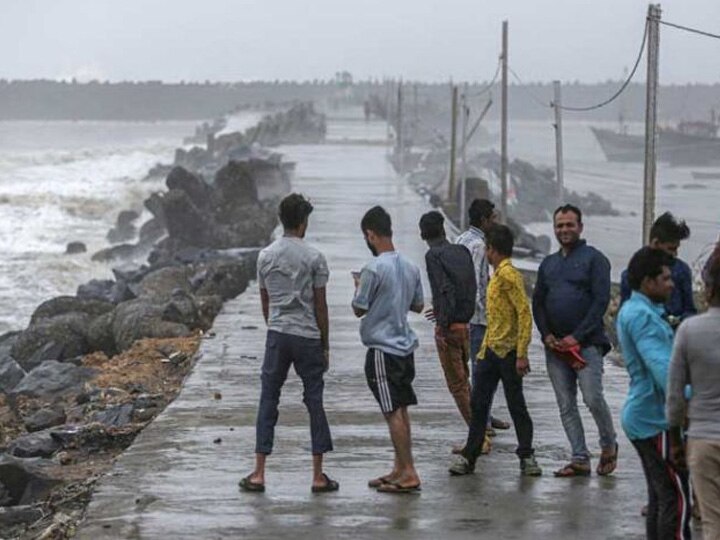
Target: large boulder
x=53 y=379
x=100 y=335
x=182 y=309
x=138 y=319
x=10 y=373
x=124 y=229
x=67 y=333
x=193 y=186
x=235 y=184
x=26 y=480
x=151 y=231
x=115 y=415
x=105 y=290
x=226 y=278
x=120 y=251
x=158 y=286
x=69 y=304
x=40 y=444
x=183 y=219
x=45 y=418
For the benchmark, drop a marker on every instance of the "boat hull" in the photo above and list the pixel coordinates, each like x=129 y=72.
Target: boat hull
x=677 y=149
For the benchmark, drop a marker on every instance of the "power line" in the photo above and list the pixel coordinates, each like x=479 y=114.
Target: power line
x=597 y=105
x=622 y=87
x=688 y=29
x=489 y=85
x=526 y=89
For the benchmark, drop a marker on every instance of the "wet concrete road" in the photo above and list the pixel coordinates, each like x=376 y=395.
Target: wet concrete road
x=176 y=483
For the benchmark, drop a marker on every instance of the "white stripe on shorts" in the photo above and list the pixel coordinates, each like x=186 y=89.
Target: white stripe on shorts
x=383 y=388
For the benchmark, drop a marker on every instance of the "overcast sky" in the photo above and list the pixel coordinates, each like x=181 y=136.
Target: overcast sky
x=234 y=40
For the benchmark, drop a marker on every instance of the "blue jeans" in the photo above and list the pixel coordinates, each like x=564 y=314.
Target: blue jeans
x=565 y=381
x=306 y=355
x=477 y=334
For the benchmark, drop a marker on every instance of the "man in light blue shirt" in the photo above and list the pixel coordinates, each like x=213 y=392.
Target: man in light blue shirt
x=387 y=289
x=646 y=340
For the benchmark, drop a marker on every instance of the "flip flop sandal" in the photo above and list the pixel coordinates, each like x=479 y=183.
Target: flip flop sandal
x=394 y=487
x=253 y=487
x=573 y=469
x=330 y=485
x=607 y=463
x=379 y=481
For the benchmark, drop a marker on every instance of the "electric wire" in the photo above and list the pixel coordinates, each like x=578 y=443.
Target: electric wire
x=489 y=85
x=689 y=29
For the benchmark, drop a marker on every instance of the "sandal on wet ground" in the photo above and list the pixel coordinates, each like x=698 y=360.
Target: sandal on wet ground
x=573 y=469
x=396 y=487
x=248 y=485
x=330 y=485
x=379 y=481
x=608 y=463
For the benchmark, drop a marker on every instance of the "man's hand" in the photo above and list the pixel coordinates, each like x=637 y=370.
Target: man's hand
x=326 y=359
x=677 y=456
x=522 y=366
x=430 y=314
x=566 y=343
x=550 y=341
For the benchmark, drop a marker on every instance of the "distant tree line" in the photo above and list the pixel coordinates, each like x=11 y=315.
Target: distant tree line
x=155 y=100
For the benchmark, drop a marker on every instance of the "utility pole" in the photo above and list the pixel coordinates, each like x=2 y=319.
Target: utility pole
x=453 y=145
x=463 y=157
x=557 y=105
x=400 y=146
x=653 y=45
x=504 y=126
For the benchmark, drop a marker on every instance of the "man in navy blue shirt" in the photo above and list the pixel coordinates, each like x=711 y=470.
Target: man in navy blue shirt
x=570 y=299
x=666 y=234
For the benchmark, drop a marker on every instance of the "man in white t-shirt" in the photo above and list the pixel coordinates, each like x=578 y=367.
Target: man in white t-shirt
x=292 y=277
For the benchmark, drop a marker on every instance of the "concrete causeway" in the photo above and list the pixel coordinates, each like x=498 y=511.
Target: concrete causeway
x=176 y=483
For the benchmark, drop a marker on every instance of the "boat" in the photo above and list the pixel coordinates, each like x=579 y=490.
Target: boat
x=687 y=144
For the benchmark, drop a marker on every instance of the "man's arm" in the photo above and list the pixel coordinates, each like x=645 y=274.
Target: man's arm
x=443 y=291
x=321 y=315
x=677 y=381
x=600 y=292
x=652 y=346
x=538 y=304
x=364 y=292
x=686 y=292
x=265 y=303
x=519 y=300
x=418 y=301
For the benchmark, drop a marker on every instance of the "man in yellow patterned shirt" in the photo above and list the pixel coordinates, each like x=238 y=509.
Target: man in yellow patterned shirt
x=503 y=357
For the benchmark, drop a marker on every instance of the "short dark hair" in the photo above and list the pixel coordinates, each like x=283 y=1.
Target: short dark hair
x=480 y=209
x=378 y=221
x=500 y=238
x=565 y=208
x=294 y=210
x=667 y=228
x=431 y=225
x=647 y=262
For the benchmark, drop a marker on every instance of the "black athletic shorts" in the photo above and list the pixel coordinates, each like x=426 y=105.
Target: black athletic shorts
x=390 y=379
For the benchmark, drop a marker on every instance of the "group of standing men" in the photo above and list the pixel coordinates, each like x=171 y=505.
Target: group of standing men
x=486 y=319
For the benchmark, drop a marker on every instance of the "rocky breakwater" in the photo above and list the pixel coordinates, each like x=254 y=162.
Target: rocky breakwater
x=532 y=189
x=92 y=369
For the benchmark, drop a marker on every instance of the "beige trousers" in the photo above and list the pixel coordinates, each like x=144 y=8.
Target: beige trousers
x=704 y=464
